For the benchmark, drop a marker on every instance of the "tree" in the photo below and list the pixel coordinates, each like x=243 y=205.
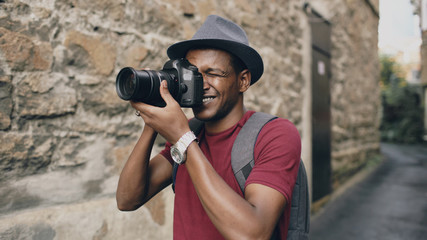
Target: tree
x=402 y=118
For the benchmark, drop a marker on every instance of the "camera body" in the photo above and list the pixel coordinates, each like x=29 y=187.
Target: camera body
x=185 y=83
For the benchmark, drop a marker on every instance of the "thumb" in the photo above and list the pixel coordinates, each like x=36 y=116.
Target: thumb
x=164 y=92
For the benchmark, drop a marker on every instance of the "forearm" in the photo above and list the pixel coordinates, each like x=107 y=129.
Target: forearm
x=133 y=183
x=232 y=215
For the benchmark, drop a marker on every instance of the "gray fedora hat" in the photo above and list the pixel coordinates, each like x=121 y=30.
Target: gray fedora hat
x=220 y=33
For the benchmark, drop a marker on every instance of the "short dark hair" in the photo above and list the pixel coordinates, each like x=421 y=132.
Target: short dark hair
x=237 y=64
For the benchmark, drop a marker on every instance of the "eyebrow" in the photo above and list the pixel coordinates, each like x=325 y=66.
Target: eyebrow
x=217 y=71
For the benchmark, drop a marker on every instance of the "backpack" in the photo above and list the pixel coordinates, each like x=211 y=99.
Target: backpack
x=242 y=162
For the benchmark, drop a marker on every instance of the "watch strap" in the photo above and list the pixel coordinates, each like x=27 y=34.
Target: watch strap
x=186 y=139
x=183 y=144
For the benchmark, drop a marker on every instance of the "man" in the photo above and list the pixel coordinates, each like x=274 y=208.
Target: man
x=208 y=201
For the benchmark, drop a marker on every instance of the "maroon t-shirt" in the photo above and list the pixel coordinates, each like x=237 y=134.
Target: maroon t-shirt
x=277 y=153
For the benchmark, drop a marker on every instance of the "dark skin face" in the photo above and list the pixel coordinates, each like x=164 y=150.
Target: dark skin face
x=223 y=87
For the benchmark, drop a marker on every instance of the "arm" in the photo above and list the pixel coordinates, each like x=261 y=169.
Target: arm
x=236 y=218
x=141 y=179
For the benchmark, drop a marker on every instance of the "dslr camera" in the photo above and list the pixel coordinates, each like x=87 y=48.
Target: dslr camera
x=185 y=83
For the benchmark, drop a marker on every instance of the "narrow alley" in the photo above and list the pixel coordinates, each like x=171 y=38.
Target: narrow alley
x=391 y=203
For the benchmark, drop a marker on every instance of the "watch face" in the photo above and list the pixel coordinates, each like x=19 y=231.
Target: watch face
x=176 y=155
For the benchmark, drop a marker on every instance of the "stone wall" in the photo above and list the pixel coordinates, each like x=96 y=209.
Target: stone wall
x=355 y=102
x=65 y=134
x=423 y=77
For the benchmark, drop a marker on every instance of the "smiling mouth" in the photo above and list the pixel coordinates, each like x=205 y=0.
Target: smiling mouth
x=207 y=99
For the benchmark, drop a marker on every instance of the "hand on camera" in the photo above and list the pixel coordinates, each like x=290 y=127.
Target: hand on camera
x=169 y=121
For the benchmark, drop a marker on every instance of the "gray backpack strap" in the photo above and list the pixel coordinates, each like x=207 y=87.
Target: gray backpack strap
x=196 y=125
x=242 y=162
x=299 y=221
x=242 y=153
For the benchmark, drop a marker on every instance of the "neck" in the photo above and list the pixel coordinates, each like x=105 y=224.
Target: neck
x=226 y=122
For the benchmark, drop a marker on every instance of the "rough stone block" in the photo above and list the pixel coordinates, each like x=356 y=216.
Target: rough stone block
x=135 y=55
x=101 y=53
x=5 y=102
x=97 y=219
x=21 y=53
x=23 y=154
x=60 y=100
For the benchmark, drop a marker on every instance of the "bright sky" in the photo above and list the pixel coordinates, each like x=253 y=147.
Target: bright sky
x=399 y=29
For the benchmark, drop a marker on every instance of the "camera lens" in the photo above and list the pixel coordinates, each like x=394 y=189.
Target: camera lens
x=142 y=86
x=134 y=85
x=126 y=83
x=129 y=83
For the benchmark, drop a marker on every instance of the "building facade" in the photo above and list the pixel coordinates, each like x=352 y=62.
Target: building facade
x=421 y=11
x=65 y=134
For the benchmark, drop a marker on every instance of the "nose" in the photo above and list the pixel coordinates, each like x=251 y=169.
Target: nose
x=206 y=84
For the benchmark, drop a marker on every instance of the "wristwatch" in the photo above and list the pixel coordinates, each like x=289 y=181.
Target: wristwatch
x=179 y=149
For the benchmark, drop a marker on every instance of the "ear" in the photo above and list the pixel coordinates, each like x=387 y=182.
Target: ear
x=244 y=80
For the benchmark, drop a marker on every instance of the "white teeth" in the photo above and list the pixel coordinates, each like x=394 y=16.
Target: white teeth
x=207 y=99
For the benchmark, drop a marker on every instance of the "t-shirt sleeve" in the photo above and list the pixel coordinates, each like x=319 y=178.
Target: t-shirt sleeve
x=277 y=154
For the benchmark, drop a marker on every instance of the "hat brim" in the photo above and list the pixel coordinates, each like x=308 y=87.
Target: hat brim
x=248 y=55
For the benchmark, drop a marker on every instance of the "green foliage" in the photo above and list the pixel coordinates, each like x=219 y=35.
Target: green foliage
x=390 y=71
x=402 y=118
